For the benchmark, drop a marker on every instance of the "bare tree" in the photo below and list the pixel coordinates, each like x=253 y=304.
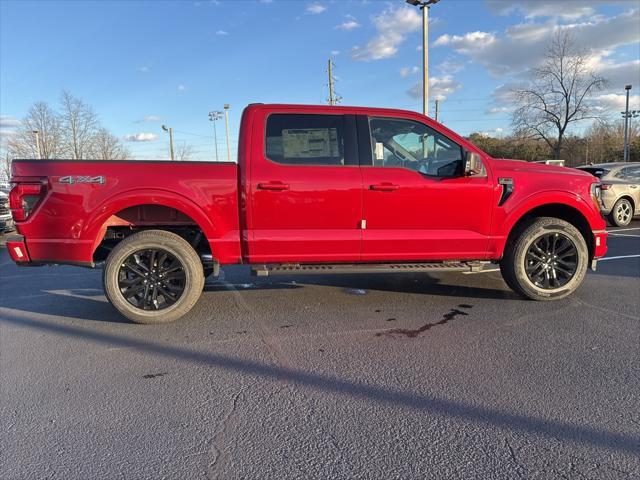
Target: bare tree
x=183 y=152
x=79 y=125
x=42 y=119
x=558 y=95
x=5 y=164
x=106 y=146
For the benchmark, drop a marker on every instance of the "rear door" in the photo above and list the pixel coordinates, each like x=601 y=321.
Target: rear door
x=305 y=188
x=418 y=205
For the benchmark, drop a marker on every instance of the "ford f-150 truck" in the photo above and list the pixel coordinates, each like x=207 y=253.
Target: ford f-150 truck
x=317 y=189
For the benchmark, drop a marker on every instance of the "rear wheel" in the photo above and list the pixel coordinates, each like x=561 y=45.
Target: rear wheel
x=546 y=261
x=153 y=277
x=621 y=213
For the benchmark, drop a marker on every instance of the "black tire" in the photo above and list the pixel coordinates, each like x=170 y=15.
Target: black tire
x=622 y=213
x=174 y=255
x=548 y=278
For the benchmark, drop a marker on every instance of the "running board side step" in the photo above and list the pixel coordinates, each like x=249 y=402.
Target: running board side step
x=316 y=269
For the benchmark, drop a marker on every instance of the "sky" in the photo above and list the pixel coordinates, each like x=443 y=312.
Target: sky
x=141 y=64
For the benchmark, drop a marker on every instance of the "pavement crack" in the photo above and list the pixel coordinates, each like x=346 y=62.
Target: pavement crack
x=214 y=449
x=520 y=469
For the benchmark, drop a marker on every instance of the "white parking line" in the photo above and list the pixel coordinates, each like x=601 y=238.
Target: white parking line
x=624 y=229
x=617 y=258
x=623 y=235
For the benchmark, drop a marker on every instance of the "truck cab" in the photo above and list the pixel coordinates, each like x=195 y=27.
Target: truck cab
x=316 y=189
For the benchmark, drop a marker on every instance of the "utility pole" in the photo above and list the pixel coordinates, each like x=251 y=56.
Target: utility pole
x=37 y=134
x=437 y=110
x=331 y=101
x=626 y=126
x=214 y=116
x=424 y=6
x=627 y=115
x=170 y=130
x=226 y=122
x=334 y=98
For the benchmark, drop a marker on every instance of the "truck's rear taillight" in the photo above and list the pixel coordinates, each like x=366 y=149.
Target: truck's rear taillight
x=23 y=199
x=605 y=186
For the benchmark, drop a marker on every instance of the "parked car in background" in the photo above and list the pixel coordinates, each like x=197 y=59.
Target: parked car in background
x=6 y=221
x=620 y=190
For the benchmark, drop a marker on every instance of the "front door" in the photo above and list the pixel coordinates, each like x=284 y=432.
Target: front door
x=306 y=190
x=418 y=204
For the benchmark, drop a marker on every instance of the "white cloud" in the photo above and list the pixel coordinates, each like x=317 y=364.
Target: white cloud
x=335 y=52
x=439 y=87
x=467 y=43
x=523 y=45
x=348 y=25
x=496 y=110
x=449 y=66
x=567 y=9
x=8 y=125
x=406 y=71
x=141 y=137
x=392 y=25
x=145 y=68
x=9 y=122
x=181 y=88
x=616 y=102
x=149 y=118
x=221 y=33
x=315 y=8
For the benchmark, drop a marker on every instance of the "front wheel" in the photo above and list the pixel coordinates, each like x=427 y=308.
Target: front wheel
x=153 y=277
x=546 y=261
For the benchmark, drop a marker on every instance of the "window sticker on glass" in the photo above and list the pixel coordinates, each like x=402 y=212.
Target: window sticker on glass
x=379 y=151
x=310 y=142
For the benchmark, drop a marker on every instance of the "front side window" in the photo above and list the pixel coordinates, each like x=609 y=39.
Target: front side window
x=296 y=139
x=408 y=144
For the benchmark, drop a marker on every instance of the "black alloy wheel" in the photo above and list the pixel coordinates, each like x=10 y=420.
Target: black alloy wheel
x=151 y=279
x=551 y=261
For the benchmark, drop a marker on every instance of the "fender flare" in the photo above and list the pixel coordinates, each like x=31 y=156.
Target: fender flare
x=96 y=227
x=549 y=197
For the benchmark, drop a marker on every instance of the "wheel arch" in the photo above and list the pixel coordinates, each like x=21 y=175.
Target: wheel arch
x=563 y=211
x=170 y=211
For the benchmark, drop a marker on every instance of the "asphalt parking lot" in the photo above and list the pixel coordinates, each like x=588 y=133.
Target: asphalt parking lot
x=408 y=376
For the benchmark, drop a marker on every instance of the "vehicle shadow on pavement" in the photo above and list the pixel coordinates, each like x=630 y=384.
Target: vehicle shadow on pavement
x=425 y=403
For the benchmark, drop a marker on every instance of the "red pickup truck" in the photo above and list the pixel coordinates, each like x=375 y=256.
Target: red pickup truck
x=317 y=189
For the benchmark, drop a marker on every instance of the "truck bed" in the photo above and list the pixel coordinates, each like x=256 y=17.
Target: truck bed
x=82 y=198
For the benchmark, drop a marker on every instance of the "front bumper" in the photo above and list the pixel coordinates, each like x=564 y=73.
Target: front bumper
x=599 y=243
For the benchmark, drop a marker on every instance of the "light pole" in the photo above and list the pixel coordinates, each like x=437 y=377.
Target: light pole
x=627 y=115
x=37 y=134
x=226 y=122
x=213 y=116
x=424 y=6
x=170 y=130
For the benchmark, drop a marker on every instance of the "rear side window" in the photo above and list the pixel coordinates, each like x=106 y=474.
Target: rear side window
x=295 y=139
x=596 y=172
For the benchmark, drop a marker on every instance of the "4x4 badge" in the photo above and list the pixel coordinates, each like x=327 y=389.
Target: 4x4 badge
x=82 y=179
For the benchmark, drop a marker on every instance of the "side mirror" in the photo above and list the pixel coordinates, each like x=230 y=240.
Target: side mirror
x=473 y=164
